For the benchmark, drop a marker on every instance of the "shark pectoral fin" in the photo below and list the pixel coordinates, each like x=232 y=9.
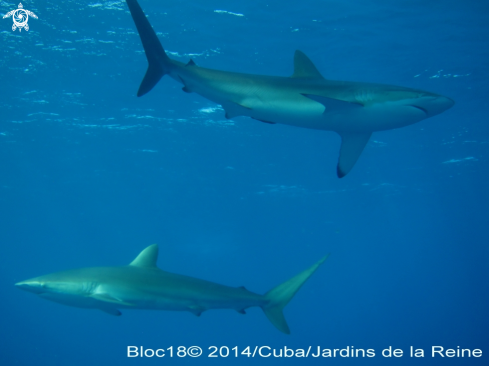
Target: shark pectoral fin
x=111 y=311
x=331 y=104
x=304 y=68
x=110 y=299
x=352 y=145
x=234 y=109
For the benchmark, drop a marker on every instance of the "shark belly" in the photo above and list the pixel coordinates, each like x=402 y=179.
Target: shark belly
x=292 y=109
x=252 y=97
x=371 y=118
x=167 y=291
x=72 y=300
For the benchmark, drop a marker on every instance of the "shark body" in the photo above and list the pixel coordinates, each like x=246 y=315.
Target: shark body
x=142 y=285
x=306 y=99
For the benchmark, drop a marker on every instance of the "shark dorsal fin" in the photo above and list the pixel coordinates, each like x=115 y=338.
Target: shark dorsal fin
x=147 y=258
x=304 y=68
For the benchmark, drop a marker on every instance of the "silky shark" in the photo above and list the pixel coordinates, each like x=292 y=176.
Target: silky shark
x=306 y=99
x=142 y=285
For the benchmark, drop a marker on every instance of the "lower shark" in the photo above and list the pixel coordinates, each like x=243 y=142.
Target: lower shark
x=354 y=110
x=142 y=285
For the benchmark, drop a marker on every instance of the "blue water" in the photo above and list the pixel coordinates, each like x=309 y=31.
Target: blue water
x=90 y=175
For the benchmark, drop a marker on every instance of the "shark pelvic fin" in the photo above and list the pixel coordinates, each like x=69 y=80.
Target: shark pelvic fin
x=105 y=297
x=280 y=296
x=352 y=146
x=262 y=120
x=111 y=311
x=147 y=258
x=304 y=68
x=331 y=104
x=234 y=109
x=158 y=62
x=197 y=310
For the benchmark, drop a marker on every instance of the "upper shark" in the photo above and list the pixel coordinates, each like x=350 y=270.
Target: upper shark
x=306 y=99
x=142 y=285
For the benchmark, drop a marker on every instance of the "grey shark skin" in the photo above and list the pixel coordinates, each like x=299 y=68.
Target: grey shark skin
x=306 y=99
x=142 y=285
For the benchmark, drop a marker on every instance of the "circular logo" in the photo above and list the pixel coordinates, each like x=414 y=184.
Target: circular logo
x=20 y=18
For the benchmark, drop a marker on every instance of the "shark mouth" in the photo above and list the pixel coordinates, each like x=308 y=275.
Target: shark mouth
x=421 y=109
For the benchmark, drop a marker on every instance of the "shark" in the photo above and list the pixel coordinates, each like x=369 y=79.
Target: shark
x=306 y=99
x=142 y=285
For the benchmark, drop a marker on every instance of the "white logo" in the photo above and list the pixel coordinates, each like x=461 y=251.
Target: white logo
x=20 y=17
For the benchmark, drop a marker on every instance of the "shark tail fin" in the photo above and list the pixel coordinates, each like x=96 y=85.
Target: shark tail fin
x=280 y=296
x=158 y=62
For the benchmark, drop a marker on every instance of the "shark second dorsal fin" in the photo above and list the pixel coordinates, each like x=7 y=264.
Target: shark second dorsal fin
x=304 y=68
x=147 y=258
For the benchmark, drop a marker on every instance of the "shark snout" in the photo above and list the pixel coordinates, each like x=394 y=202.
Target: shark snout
x=31 y=286
x=433 y=104
x=444 y=103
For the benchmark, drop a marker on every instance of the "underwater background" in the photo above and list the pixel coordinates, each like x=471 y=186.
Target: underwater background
x=90 y=175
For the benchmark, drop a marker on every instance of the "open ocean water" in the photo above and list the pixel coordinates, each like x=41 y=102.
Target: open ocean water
x=90 y=175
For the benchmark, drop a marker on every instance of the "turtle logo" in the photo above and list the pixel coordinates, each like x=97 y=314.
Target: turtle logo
x=20 y=17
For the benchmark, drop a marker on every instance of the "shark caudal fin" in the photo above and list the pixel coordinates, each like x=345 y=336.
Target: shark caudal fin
x=280 y=296
x=158 y=62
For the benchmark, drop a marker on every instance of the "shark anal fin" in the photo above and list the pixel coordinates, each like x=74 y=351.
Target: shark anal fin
x=242 y=287
x=241 y=311
x=185 y=88
x=191 y=63
x=352 y=145
x=261 y=120
x=304 y=68
x=331 y=104
x=111 y=311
